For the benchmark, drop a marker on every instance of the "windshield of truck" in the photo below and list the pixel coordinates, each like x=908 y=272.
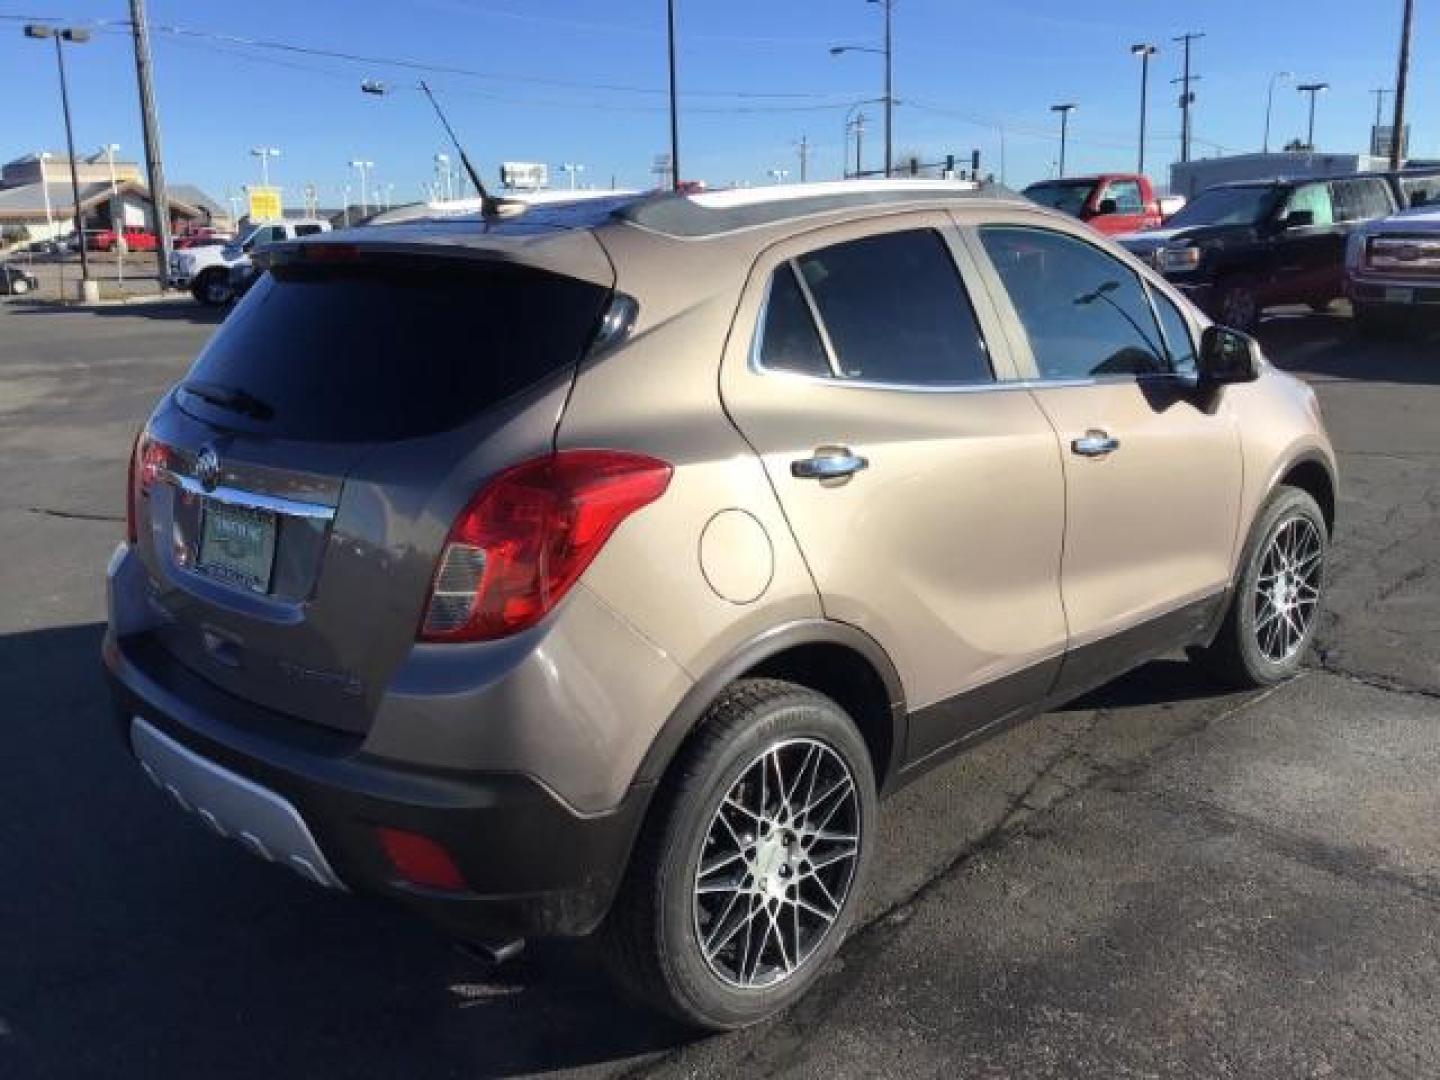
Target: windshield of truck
x=1225 y=206
x=1067 y=196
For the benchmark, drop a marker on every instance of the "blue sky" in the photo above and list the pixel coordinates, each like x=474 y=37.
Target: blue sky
x=571 y=80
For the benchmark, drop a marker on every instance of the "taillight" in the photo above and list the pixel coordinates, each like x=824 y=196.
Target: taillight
x=149 y=458
x=528 y=534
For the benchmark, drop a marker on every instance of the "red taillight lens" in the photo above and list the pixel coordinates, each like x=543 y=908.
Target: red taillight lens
x=148 y=460
x=528 y=534
x=419 y=860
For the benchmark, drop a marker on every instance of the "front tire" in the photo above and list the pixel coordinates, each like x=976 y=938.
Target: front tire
x=212 y=288
x=747 y=874
x=1276 y=603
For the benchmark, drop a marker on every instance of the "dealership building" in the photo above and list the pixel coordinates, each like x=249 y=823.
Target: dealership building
x=37 y=201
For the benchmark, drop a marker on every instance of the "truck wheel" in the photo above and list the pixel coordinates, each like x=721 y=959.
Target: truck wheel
x=212 y=288
x=748 y=871
x=1276 y=601
x=1238 y=304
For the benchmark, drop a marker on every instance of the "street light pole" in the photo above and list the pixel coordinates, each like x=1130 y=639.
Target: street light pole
x=1064 y=110
x=110 y=149
x=1269 y=104
x=42 y=157
x=76 y=36
x=363 y=168
x=1313 y=89
x=889 y=88
x=1402 y=79
x=264 y=153
x=572 y=170
x=1144 y=51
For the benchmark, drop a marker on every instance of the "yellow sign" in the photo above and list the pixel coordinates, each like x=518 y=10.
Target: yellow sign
x=265 y=204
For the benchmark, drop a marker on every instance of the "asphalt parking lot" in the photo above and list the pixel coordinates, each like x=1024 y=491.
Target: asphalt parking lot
x=1160 y=880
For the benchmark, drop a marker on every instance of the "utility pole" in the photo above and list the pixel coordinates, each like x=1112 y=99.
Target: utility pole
x=1402 y=78
x=803 y=149
x=1187 y=98
x=150 y=126
x=860 y=119
x=674 y=105
x=889 y=88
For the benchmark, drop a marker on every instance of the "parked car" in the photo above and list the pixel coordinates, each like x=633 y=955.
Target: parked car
x=1111 y=203
x=598 y=571
x=133 y=237
x=1238 y=249
x=205 y=271
x=15 y=280
x=1393 y=272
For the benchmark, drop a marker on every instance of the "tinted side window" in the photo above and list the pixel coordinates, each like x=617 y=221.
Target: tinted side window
x=1178 y=340
x=788 y=339
x=896 y=310
x=1084 y=312
x=1126 y=194
x=306 y=230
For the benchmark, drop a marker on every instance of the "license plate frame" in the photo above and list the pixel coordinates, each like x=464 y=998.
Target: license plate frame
x=237 y=545
x=1399 y=295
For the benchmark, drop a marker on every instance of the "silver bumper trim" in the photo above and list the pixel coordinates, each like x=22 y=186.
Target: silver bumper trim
x=232 y=806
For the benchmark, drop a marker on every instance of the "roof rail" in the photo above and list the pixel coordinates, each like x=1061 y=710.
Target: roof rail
x=712 y=213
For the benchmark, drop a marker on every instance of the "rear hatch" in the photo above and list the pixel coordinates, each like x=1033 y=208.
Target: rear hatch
x=300 y=480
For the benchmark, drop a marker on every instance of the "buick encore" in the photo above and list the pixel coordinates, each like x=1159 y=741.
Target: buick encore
x=598 y=569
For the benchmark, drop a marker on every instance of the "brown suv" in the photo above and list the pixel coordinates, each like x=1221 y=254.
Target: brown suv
x=598 y=567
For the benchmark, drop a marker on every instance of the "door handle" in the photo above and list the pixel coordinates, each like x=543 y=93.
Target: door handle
x=1095 y=443
x=829 y=463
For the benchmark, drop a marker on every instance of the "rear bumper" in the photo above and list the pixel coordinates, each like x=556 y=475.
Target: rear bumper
x=534 y=866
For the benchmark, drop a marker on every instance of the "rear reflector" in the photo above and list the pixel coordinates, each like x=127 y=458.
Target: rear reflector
x=528 y=534
x=418 y=860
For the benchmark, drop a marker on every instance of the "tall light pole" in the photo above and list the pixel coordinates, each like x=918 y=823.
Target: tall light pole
x=1402 y=80
x=572 y=170
x=1064 y=110
x=442 y=176
x=264 y=153
x=1270 y=104
x=76 y=36
x=110 y=150
x=888 y=52
x=1144 y=51
x=674 y=103
x=778 y=175
x=1313 y=89
x=363 y=168
x=42 y=157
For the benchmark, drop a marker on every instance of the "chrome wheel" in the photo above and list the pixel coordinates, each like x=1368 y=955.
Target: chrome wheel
x=1287 y=590
x=777 y=865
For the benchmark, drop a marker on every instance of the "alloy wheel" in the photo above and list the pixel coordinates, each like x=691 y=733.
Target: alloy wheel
x=1287 y=590
x=777 y=864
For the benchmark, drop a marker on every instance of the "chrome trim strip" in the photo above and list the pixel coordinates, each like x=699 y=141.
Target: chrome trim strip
x=252 y=500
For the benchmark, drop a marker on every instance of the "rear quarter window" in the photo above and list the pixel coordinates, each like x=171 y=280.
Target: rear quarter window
x=389 y=349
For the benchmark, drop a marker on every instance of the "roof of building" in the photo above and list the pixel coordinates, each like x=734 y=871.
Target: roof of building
x=28 y=201
x=191 y=195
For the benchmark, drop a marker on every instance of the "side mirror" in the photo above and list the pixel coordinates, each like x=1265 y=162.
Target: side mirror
x=1108 y=206
x=1298 y=219
x=1228 y=356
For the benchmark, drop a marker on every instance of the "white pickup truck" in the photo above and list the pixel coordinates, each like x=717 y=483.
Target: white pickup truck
x=1392 y=272
x=205 y=271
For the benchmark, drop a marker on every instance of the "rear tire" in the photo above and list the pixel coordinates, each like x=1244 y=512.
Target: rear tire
x=748 y=871
x=1276 y=603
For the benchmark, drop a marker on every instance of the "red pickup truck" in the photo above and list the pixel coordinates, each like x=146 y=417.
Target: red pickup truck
x=136 y=239
x=1110 y=203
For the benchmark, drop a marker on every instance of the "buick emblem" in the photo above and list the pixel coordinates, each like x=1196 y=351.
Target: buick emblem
x=207 y=468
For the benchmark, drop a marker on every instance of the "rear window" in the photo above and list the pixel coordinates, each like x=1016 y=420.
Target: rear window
x=390 y=349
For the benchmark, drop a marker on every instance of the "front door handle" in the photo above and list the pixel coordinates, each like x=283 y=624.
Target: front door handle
x=1095 y=443
x=829 y=463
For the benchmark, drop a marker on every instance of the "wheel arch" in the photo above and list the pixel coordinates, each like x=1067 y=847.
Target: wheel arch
x=831 y=658
x=1311 y=473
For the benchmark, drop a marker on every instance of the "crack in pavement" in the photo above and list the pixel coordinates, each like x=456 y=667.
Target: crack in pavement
x=1374 y=681
x=72 y=515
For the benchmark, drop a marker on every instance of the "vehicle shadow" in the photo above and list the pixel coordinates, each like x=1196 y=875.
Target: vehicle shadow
x=135 y=943
x=167 y=309
x=1160 y=682
x=1330 y=345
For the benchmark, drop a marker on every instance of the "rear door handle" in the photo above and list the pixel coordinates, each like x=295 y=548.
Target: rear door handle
x=1095 y=443
x=829 y=463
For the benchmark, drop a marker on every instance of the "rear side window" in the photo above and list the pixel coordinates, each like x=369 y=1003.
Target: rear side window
x=1360 y=200
x=307 y=230
x=1086 y=313
x=789 y=340
x=391 y=349
x=896 y=311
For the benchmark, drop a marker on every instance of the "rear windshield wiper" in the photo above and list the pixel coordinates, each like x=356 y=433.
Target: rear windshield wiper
x=230 y=397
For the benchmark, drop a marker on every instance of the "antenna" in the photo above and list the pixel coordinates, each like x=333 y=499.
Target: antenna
x=490 y=206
